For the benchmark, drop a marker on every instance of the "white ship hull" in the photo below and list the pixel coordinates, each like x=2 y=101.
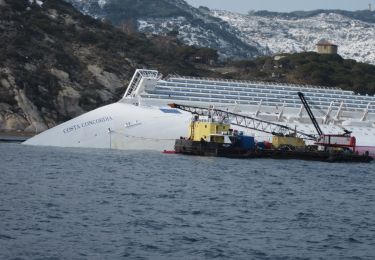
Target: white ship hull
x=151 y=125
x=118 y=126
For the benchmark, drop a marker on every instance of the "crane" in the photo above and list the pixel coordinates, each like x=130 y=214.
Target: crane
x=245 y=121
x=328 y=140
x=310 y=113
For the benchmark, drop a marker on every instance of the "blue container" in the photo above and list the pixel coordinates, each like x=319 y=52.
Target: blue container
x=247 y=142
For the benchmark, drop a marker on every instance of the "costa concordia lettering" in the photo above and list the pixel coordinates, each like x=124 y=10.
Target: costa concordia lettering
x=142 y=119
x=86 y=124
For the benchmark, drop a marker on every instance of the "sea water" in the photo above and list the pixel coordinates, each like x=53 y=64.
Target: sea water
x=60 y=203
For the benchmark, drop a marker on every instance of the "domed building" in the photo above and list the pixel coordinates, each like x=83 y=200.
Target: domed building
x=326 y=47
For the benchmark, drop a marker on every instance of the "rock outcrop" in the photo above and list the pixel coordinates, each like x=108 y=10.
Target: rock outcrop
x=56 y=63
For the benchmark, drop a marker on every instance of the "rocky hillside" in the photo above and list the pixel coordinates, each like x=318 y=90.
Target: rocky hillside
x=192 y=26
x=56 y=63
x=361 y=15
x=244 y=36
x=298 y=32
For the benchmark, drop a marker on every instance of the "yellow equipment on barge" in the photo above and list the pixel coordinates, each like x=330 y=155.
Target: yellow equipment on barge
x=208 y=129
x=288 y=141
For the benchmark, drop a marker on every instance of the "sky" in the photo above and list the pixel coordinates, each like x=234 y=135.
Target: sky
x=243 y=6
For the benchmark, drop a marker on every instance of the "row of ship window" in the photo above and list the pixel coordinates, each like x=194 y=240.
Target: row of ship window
x=258 y=97
x=268 y=89
x=260 y=84
x=251 y=101
x=259 y=93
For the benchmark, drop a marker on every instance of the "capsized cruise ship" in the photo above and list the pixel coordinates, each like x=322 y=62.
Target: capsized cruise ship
x=143 y=120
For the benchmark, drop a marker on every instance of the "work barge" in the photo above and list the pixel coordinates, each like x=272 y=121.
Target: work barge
x=201 y=148
x=210 y=134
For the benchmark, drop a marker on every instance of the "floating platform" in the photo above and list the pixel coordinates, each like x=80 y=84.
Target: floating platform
x=202 y=148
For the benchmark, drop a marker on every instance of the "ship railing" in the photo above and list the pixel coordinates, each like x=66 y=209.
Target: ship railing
x=254 y=82
x=277 y=86
x=137 y=79
x=244 y=101
x=286 y=91
x=218 y=100
x=328 y=90
x=319 y=98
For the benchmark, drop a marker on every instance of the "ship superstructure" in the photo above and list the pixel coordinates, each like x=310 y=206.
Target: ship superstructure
x=231 y=93
x=144 y=109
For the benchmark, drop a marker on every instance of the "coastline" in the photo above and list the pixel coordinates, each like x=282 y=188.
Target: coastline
x=15 y=137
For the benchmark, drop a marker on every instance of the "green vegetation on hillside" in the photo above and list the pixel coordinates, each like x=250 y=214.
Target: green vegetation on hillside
x=121 y=10
x=310 y=68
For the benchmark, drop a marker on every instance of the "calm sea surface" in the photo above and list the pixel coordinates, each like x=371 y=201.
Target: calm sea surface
x=101 y=204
